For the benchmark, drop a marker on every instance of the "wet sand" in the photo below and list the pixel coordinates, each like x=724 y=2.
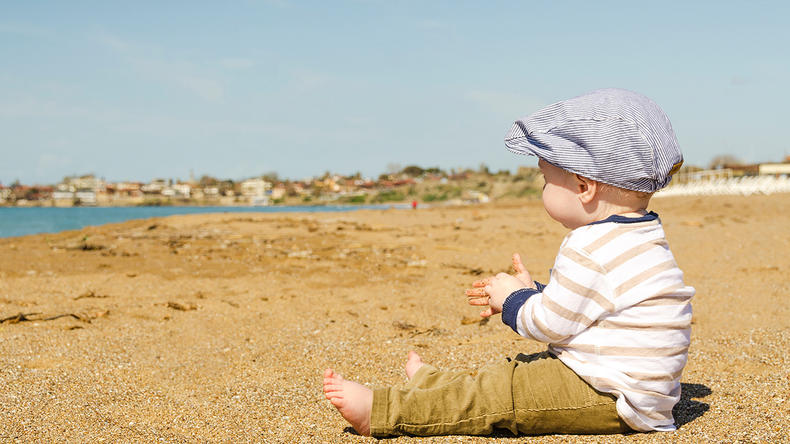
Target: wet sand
x=217 y=327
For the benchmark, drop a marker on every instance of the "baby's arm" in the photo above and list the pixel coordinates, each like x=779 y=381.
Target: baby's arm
x=575 y=297
x=494 y=290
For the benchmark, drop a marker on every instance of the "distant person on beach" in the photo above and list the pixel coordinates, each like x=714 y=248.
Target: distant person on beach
x=616 y=314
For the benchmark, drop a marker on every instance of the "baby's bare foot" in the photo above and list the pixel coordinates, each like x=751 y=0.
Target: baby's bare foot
x=353 y=401
x=413 y=364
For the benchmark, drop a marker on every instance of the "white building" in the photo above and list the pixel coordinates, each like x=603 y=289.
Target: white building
x=5 y=194
x=774 y=168
x=257 y=191
x=154 y=187
x=182 y=190
x=86 y=197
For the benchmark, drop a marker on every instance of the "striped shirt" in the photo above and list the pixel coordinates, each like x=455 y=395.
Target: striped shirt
x=616 y=311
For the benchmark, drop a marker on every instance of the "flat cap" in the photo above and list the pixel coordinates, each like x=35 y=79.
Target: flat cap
x=614 y=136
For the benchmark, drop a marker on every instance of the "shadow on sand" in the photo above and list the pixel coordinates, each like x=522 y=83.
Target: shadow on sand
x=687 y=409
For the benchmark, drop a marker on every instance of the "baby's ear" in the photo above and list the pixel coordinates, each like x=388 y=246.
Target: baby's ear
x=586 y=188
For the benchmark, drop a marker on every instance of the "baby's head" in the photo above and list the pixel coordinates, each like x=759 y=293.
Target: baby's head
x=603 y=152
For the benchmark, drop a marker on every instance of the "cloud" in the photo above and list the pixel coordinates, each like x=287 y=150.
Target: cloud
x=204 y=88
x=504 y=102
x=23 y=29
x=432 y=25
x=740 y=81
x=181 y=73
x=237 y=63
x=306 y=79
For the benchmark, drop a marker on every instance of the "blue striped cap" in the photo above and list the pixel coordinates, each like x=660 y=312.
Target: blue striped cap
x=613 y=136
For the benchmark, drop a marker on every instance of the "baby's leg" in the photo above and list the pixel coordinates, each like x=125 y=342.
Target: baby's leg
x=352 y=400
x=413 y=363
x=437 y=402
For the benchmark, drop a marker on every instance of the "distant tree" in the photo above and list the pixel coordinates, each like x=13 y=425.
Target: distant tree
x=208 y=181
x=271 y=176
x=483 y=169
x=226 y=185
x=413 y=171
x=435 y=170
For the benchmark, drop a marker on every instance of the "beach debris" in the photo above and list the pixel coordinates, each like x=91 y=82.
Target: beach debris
x=416 y=331
x=417 y=263
x=467 y=320
x=90 y=294
x=430 y=331
x=17 y=318
x=474 y=271
x=82 y=244
x=188 y=306
x=31 y=317
x=403 y=325
x=300 y=254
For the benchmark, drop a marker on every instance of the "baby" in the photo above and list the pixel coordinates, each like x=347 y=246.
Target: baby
x=616 y=314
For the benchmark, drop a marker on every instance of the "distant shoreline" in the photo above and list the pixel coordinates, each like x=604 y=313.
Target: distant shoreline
x=23 y=221
x=39 y=204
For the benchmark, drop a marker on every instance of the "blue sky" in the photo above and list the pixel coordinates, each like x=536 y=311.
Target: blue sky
x=137 y=90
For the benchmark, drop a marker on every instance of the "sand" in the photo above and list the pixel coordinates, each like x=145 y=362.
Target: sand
x=217 y=328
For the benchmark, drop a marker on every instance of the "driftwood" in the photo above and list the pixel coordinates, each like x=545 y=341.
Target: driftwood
x=31 y=317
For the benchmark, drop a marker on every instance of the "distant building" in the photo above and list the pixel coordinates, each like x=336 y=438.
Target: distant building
x=257 y=191
x=211 y=192
x=155 y=186
x=182 y=190
x=85 y=198
x=88 y=182
x=5 y=194
x=278 y=192
x=774 y=169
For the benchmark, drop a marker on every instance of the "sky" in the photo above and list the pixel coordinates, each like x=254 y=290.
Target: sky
x=141 y=90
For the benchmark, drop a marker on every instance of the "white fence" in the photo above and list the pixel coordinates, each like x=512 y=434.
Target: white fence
x=745 y=186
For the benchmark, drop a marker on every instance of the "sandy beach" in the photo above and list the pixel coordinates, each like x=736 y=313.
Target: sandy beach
x=216 y=328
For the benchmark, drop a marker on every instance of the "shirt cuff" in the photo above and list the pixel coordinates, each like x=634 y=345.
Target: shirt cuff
x=513 y=304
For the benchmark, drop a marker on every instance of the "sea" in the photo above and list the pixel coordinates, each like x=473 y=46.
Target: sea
x=21 y=221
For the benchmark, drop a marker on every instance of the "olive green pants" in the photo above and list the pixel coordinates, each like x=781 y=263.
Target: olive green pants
x=533 y=394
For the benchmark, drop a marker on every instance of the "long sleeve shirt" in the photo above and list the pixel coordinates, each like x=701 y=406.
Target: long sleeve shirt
x=616 y=311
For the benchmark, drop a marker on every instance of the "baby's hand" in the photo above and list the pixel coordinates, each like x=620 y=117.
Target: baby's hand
x=494 y=290
x=500 y=287
x=521 y=272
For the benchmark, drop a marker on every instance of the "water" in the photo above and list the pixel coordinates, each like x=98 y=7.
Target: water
x=20 y=221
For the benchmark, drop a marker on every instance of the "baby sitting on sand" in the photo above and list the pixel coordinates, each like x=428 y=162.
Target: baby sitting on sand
x=615 y=313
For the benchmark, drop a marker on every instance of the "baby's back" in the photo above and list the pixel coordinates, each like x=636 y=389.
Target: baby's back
x=638 y=347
